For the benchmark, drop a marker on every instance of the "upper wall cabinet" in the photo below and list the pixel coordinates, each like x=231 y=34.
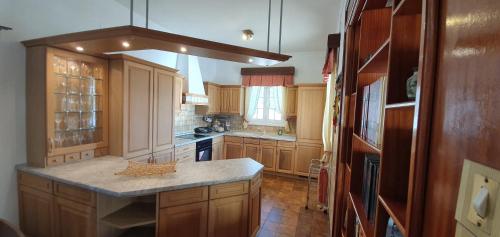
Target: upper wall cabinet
x=66 y=106
x=214 y=98
x=179 y=82
x=232 y=100
x=142 y=107
x=311 y=104
x=291 y=101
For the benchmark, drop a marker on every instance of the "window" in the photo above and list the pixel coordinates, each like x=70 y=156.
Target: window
x=265 y=105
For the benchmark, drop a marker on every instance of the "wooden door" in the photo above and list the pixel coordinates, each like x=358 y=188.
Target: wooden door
x=217 y=99
x=291 y=101
x=35 y=212
x=235 y=100
x=252 y=151
x=285 y=160
x=233 y=150
x=74 y=219
x=218 y=151
x=255 y=212
x=213 y=99
x=228 y=217
x=311 y=104
x=305 y=153
x=163 y=119
x=224 y=95
x=268 y=157
x=179 y=81
x=138 y=110
x=183 y=221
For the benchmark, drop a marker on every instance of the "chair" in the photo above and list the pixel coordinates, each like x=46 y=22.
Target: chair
x=8 y=230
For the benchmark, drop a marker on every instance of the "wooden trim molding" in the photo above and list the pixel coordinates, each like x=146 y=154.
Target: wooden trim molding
x=268 y=71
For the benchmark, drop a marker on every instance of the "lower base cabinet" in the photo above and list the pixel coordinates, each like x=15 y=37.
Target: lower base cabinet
x=285 y=159
x=305 y=153
x=35 y=212
x=252 y=151
x=254 y=215
x=183 y=221
x=74 y=219
x=228 y=217
x=268 y=157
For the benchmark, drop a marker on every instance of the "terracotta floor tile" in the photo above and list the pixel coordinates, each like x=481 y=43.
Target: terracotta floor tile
x=283 y=209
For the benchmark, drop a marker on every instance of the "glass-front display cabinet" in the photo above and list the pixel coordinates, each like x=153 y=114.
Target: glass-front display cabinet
x=76 y=106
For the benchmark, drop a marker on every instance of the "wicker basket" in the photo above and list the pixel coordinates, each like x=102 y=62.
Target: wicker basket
x=138 y=169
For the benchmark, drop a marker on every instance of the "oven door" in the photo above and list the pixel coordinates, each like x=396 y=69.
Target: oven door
x=204 y=154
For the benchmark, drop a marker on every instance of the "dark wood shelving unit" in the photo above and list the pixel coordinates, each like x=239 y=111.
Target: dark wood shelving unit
x=382 y=43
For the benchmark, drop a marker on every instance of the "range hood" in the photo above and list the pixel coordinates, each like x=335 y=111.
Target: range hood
x=193 y=89
x=102 y=41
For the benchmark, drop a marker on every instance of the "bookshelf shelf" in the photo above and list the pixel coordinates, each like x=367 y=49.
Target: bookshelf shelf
x=367 y=227
x=397 y=210
x=365 y=146
x=400 y=105
x=378 y=62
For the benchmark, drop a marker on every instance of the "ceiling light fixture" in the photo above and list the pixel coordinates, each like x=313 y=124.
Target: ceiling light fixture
x=250 y=60
x=183 y=49
x=79 y=48
x=125 y=44
x=247 y=34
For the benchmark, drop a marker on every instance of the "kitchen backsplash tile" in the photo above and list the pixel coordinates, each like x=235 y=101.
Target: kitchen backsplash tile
x=187 y=120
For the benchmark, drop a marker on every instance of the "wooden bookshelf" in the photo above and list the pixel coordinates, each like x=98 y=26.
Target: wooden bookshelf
x=382 y=42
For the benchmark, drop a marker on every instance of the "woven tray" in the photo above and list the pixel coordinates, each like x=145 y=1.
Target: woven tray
x=138 y=169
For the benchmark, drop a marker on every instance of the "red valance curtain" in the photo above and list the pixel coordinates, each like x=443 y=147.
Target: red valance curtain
x=267 y=80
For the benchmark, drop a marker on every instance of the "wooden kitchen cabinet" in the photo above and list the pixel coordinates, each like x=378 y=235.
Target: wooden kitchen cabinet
x=232 y=100
x=305 y=153
x=310 y=107
x=36 y=216
x=179 y=82
x=228 y=217
x=255 y=211
x=268 y=157
x=214 y=98
x=291 y=101
x=142 y=107
x=183 y=221
x=218 y=148
x=233 y=150
x=285 y=159
x=66 y=105
x=252 y=151
x=74 y=219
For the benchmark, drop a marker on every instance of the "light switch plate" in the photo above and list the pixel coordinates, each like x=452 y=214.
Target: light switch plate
x=474 y=175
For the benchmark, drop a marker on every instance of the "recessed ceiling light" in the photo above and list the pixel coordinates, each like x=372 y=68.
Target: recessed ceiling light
x=79 y=48
x=126 y=44
x=247 y=35
x=183 y=49
x=250 y=60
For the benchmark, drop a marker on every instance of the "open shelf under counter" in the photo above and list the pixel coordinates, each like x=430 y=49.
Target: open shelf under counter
x=367 y=227
x=396 y=210
x=133 y=215
x=378 y=61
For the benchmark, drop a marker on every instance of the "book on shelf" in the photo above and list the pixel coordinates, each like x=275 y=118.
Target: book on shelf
x=369 y=186
x=372 y=111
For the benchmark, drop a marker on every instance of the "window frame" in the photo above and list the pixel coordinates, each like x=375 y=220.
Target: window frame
x=266 y=121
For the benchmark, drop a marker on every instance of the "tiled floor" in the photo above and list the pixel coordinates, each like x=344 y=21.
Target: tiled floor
x=283 y=212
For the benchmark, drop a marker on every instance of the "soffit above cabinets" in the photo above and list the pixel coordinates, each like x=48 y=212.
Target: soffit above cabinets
x=99 y=42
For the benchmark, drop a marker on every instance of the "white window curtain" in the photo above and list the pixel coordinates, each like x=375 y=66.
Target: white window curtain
x=271 y=109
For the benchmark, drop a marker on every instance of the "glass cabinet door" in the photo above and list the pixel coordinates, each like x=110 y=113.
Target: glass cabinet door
x=75 y=97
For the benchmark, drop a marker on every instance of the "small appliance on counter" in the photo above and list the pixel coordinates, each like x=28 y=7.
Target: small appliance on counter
x=203 y=130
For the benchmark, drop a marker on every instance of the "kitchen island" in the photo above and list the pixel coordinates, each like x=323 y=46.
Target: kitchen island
x=214 y=198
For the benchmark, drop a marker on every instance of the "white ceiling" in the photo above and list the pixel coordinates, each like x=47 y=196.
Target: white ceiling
x=306 y=23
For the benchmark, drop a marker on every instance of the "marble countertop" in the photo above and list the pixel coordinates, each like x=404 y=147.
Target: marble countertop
x=99 y=175
x=287 y=137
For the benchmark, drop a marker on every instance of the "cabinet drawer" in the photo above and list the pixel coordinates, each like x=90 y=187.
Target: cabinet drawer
x=218 y=139
x=286 y=144
x=35 y=182
x=72 y=157
x=233 y=139
x=188 y=156
x=186 y=148
x=75 y=194
x=185 y=196
x=229 y=189
x=264 y=142
x=55 y=160
x=87 y=155
x=249 y=140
